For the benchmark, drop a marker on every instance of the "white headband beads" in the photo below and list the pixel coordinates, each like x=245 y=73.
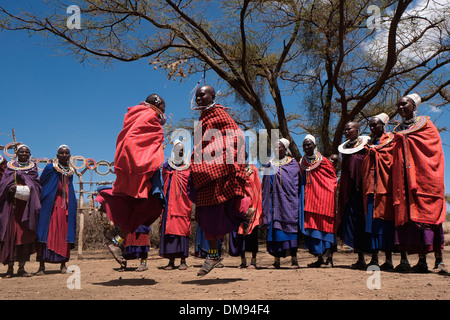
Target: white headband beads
x=310 y=137
x=415 y=98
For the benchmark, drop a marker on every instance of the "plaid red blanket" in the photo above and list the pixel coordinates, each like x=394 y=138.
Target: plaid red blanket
x=218 y=161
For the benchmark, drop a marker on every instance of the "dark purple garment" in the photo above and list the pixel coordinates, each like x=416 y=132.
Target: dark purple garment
x=280 y=198
x=217 y=220
x=281 y=249
x=31 y=211
x=419 y=237
x=47 y=255
x=240 y=243
x=351 y=220
x=18 y=219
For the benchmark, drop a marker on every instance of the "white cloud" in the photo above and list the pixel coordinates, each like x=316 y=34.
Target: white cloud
x=414 y=22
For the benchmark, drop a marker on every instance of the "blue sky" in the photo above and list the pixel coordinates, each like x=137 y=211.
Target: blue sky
x=50 y=99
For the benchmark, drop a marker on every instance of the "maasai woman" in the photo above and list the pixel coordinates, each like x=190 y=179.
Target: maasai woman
x=176 y=218
x=245 y=239
x=377 y=191
x=20 y=191
x=58 y=217
x=351 y=221
x=137 y=196
x=418 y=184
x=280 y=200
x=317 y=203
x=217 y=185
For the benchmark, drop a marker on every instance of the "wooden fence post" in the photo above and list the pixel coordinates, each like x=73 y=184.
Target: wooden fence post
x=81 y=214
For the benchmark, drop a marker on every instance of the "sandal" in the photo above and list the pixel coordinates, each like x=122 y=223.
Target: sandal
x=208 y=266
x=420 y=267
x=275 y=265
x=439 y=268
x=123 y=267
x=294 y=265
x=182 y=266
x=403 y=267
x=170 y=266
x=252 y=265
x=142 y=268
x=316 y=264
x=359 y=265
x=387 y=266
x=116 y=252
x=9 y=273
x=40 y=272
x=22 y=273
x=328 y=264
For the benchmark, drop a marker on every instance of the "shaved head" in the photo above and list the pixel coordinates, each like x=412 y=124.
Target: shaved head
x=205 y=96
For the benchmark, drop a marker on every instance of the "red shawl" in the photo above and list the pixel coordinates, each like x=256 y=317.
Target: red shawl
x=221 y=140
x=377 y=177
x=320 y=194
x=179 y=208
x=418 y=160
x=139 y=151
x=254 y=191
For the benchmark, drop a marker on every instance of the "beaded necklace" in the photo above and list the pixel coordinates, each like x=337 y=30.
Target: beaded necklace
x=64 y=170
x=281 y=162
x=348 y=148
x=411 y=126
x=308 y=164
x=162 y=117
x=176 y=167
x=22 y=166
x=278 y=163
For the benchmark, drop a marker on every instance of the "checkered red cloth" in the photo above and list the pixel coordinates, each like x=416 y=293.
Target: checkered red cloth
x=215 y=182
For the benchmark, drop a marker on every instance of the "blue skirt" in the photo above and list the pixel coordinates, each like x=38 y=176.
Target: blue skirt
x=382 y=232
x=279 y=243
x=318 y=241
x=353 y=226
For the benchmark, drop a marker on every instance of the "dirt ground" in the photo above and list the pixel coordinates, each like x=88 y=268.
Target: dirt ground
x=96 y=278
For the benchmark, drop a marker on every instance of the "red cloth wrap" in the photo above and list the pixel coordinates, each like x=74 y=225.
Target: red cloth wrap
x=179 y=207
x=377 y=177
x=139 y=151
x=419 y=160
x=320 y=196
x=254 y=192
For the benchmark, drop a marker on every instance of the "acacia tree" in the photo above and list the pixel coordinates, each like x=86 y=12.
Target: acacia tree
x=265 y=50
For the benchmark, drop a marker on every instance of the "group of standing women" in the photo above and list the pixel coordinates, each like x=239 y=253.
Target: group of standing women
x=390 y=195
x=37 y=214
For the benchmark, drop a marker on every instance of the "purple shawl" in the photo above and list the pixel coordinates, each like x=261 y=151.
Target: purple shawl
x=31 y=212
x=280 y=197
